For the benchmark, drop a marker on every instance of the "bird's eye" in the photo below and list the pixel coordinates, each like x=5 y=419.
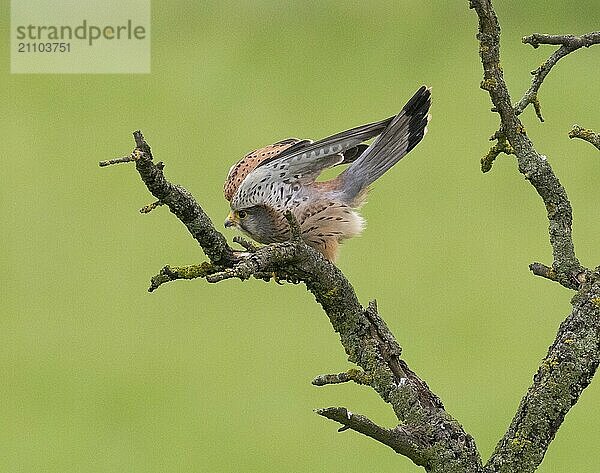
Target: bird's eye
x=242 y=214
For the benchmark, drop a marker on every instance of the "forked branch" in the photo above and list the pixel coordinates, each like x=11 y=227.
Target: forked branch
x=575 y=354
x=568 y=43
x=533 y=165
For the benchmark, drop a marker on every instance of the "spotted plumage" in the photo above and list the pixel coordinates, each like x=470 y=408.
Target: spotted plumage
x=269 y=181
x=246 y=165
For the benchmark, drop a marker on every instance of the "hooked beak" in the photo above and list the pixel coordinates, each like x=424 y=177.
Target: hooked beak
x=231 y=220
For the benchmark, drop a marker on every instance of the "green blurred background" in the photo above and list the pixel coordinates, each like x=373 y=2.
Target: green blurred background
x=100 y=376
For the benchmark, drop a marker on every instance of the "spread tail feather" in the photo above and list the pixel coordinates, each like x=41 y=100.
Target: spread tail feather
x=402 y=134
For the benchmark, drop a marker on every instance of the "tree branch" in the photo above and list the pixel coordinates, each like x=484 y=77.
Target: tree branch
x=399 y=439
x=182 y=204
x=565 y=372
x=532 y=165
x=172 y=273
x=575 y=354
x=428 y=435
x=568 y=40
x=501 y=146
x=542 y=270
x=568 y=44
x=358 y=376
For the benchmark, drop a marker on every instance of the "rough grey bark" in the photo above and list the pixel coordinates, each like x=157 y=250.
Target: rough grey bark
x=574 y=355
x=426 y=432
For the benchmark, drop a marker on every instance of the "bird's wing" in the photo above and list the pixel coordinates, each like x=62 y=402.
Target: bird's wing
x=248 y=163
x=307 y=157
x=301 y=163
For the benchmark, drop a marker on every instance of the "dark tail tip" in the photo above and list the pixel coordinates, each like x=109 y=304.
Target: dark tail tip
x=417 y=108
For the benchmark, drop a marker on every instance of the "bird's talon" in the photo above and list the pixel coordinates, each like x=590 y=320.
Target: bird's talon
x=248 y=245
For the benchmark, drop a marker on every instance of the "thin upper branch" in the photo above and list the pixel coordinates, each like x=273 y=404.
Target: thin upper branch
x=534 y=166
x=182 y=204
x=571 y=41
x=568 y=44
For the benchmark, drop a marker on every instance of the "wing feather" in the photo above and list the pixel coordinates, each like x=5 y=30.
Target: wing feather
x=248 y=163
x=301 y=163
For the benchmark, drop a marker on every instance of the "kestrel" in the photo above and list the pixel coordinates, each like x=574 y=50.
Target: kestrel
x=269 y=181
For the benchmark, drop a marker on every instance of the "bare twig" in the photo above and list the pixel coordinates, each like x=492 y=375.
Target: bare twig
x=398 y=439
x=358 y=376
x=146 y=209
x=542 y=270
x=123 y=159
x=404 y=439
x=585 y=134
x=568 y=44
x=501 y=146
x=571 y=41
x=173 y=273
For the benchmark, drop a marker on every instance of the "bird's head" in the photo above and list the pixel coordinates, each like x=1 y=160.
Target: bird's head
x=256 y=222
